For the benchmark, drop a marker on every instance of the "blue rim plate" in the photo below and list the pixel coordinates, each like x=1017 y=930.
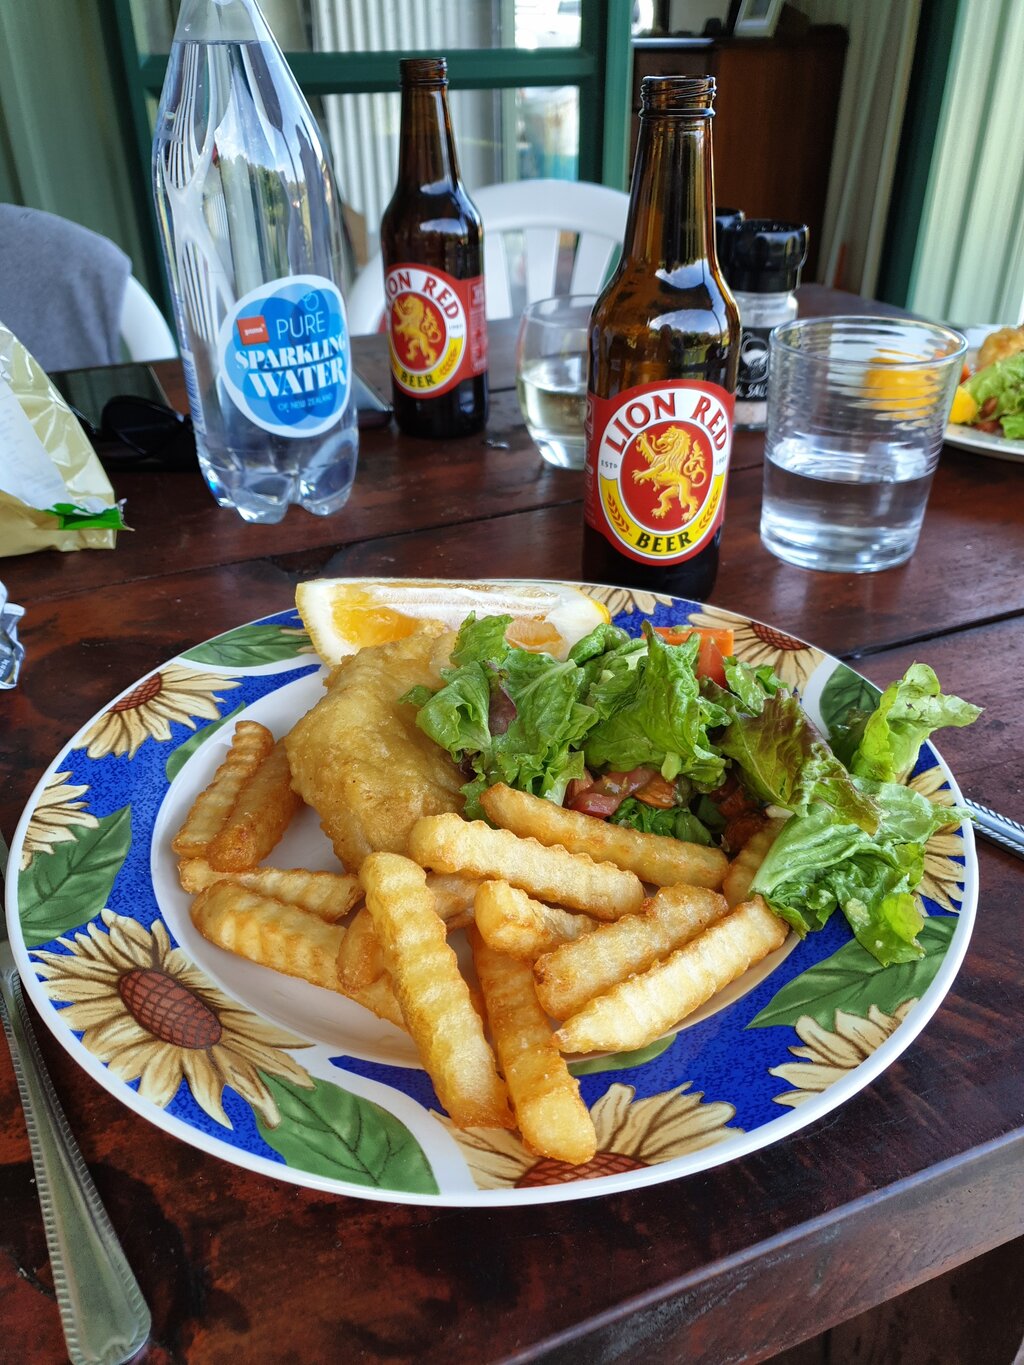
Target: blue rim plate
x=293 y=1081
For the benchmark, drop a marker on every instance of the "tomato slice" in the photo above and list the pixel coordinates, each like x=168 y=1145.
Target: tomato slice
x=715 y=645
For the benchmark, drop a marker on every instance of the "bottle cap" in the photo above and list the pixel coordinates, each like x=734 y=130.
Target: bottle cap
x=765 y=256
x=725 y=221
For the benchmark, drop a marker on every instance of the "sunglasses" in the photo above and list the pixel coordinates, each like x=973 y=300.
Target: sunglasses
x=139 y=433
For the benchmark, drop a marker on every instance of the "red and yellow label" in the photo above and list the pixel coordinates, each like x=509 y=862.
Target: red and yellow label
x=437 y=329
x=657 y=461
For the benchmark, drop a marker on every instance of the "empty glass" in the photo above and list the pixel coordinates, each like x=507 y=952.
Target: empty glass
x=857 y=407
x=551 y=375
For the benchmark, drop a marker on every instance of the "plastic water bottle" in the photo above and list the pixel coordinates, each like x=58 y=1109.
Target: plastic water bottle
x=253 y=238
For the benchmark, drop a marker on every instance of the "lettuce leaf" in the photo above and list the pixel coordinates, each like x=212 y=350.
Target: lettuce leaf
x=654 y=713
x=538 y=749
x=819 y=863
x=784 y=761
x=1003 y=381
x=909 y=710
x=677 y=823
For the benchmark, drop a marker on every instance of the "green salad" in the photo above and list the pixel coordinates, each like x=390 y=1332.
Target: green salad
x=627 y=729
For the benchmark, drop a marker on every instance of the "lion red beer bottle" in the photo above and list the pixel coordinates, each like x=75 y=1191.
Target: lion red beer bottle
x=432 y=244
x=663 y=354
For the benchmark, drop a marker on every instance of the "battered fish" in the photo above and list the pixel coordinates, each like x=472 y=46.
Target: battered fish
x=358 y=757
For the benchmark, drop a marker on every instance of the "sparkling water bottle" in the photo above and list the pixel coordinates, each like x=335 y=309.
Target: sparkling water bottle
x=252 y=233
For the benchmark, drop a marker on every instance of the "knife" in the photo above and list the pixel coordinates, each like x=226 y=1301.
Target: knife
x=103 y=1313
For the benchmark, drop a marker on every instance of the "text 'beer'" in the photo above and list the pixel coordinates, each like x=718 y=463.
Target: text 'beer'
x=663 y=352
x=432 y=244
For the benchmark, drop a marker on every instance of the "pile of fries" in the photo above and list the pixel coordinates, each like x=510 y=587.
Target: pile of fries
x=584 y=936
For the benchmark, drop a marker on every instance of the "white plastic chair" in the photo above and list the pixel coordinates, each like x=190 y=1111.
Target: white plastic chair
x=542 y=210
x=145 y=334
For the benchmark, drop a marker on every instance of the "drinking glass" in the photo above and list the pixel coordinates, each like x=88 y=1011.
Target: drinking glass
x=551 y=375
x=857 y=407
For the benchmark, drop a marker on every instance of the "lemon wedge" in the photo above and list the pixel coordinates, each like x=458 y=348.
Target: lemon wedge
x=343 y=615
x=964 y=409
x=899 y=391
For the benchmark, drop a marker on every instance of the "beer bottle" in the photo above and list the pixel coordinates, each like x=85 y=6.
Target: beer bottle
x=663 y=352
x=432 y=243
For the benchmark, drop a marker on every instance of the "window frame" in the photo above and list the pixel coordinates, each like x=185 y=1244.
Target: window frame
x=600 y=67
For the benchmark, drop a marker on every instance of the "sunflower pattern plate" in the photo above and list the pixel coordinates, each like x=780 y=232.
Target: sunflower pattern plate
x=287 y=1079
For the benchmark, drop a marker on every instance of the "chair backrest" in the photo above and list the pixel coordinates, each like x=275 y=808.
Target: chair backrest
x=69 y=296
x=543 y=211
x=145 y=334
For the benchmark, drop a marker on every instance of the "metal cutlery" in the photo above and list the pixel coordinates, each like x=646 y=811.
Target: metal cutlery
x=1000 y=829
x=104 y=1315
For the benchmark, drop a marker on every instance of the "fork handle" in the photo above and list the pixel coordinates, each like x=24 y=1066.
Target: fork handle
x=104 y=1315
x=999 y=828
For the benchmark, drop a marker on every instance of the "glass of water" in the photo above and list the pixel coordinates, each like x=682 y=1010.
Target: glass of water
x=551 y=375
x=857 y=407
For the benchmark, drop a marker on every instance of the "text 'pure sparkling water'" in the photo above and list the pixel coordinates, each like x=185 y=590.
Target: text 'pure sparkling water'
x=252 y=231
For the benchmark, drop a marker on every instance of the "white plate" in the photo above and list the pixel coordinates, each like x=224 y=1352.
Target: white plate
x=982 y=442
x=290 y=1080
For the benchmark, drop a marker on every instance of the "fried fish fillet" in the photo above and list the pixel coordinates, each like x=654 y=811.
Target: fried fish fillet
x=358 y=757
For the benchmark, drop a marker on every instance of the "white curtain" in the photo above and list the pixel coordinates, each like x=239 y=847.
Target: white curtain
x=969 y=264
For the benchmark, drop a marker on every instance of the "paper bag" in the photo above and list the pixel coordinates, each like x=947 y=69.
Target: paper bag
x=54 y=493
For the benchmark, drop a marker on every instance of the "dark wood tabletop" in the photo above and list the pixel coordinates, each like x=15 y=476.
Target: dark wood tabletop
x=919 y=1172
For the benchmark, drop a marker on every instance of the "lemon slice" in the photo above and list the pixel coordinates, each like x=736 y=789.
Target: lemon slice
x=964 y=409
x=343 y=615
x=899 y=392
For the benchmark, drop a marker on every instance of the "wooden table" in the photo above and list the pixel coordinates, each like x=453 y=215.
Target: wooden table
x=919 y=1172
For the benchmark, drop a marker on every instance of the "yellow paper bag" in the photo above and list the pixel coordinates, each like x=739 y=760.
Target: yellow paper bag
x=46 y=463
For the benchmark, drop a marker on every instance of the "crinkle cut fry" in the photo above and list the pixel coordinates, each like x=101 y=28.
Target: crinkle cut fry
x=282 y=937
x=434 y=997
x=453 y=897
x=262 y=813
x=513 y=923
x=655 y=858
x=250 y=744
x=269 y=932
x=743 y=869
x=642 y=1008
x=574 y=973
x=328 y=895
x=448 y=843
x=361 y=957
x=552 y=1118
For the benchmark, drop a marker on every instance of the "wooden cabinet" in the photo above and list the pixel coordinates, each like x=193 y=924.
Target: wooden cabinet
x=775 y=118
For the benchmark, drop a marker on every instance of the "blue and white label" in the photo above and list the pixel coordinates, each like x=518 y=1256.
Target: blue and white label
x=286 y=357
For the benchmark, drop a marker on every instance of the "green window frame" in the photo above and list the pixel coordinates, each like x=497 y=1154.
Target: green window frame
x=600 y=67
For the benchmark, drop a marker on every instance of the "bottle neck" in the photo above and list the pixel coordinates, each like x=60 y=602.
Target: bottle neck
x=427 y=157
x=671 y=220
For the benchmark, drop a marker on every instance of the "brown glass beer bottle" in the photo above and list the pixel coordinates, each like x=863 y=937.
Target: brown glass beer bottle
x=432 y=243
x=663 y=353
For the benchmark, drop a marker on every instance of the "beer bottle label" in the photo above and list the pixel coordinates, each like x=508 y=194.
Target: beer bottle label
x=285 y=356
x=657 y=460
x=437 y=329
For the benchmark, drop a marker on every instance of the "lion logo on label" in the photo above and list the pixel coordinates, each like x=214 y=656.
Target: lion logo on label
x=417 y=331
x=676 y=465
